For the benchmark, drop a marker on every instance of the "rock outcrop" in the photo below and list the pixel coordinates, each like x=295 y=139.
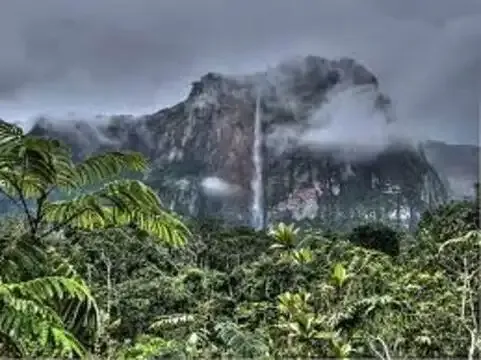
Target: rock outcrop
x=210 y=135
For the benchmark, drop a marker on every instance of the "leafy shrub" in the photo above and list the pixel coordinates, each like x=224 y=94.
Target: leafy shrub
x=376 y=236
x=450 y=221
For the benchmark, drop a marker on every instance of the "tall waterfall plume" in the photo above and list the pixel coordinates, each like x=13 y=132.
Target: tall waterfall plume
x=257 y=210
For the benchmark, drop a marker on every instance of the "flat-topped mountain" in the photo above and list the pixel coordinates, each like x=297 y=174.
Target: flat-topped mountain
x=202 y=149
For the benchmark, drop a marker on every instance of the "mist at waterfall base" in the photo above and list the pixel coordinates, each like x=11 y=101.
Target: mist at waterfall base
x=348 y=125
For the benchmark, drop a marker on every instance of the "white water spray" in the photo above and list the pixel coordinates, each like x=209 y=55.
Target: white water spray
x=257 y=183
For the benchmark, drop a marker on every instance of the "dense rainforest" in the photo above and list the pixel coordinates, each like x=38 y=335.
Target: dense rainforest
x=107 y=272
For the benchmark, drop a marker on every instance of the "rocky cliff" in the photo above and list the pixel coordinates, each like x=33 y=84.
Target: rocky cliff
x=459 y=164
x=202 y=148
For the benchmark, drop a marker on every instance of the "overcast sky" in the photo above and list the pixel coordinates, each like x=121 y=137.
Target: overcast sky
x=137 y=56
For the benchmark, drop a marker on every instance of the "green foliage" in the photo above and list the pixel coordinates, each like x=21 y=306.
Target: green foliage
x=31 y=169
x=438 y=226
x=46 y=309
x=377 y=236
x=29 y=314
x=263 y=300
x=449 y=221
x=228 y=293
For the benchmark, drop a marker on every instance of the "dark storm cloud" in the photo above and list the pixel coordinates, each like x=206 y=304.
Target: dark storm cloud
x=123 y=55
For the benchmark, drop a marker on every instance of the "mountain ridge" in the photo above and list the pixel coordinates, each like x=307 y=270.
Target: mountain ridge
x=210 y=134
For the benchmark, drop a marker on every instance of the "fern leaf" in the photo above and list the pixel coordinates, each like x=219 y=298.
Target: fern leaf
x=19 y=255
x=106 y=166
x=118 y=204
x=10 y=136
x=25 y=318
x=165 y=227
x=14 y=184
x=131 y=194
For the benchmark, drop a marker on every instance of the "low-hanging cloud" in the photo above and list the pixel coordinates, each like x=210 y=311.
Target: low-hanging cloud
x=348 y=125
x=122 y=56
x=216 y=187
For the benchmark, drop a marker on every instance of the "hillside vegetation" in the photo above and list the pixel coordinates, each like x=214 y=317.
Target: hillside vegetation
x=107 y=272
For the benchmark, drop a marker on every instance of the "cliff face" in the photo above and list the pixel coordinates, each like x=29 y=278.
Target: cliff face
x=202 y=149
x=459 y=164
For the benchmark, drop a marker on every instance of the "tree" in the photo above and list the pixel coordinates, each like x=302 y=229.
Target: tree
x=39 y=312
x=32 y=169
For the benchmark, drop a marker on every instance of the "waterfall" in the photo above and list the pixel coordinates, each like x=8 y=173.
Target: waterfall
x=257 y=210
